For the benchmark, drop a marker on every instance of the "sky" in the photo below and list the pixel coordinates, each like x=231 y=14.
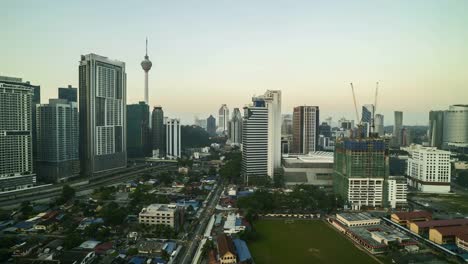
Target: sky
x=209 y=52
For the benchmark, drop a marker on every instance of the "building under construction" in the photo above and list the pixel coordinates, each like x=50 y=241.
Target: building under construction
x=361 y=170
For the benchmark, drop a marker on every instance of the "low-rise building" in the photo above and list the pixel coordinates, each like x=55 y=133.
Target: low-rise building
x=422 y=228
x=233 y=224
x=159 y=214
x=357 y=219
x=447 y=234
x=462 y=241
x=226 y=251
x=315 y=168
x=405 y=218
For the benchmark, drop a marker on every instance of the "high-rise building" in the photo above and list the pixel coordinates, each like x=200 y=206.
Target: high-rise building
x=379 y=125
x=397 y=128
x=138 y=133
x=287 y=125
x=428 y=169
x=211 y=125
x=102 y=91
x=397 y=190
x=272 y=100
x=158 y=131
x=456 y=126
x=325 y=130
x=146 y=65
x=253 y=156
x=255 y=140
x=361 y=169
x=200 y=122
x=366 y=119
x=345 y=124
x=436 y=128
x=57 y=140
x=16 y=144
x=305 y=129
x=68 y=93
x=406 y=137
x=173 y=138
x=235 y=127
x=223 y=119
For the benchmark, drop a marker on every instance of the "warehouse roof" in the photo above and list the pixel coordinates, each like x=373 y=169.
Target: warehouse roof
x=449 y=222
x=452 y=230
x=413 y=215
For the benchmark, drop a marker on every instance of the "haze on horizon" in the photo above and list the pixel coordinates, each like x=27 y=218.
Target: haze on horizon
x=206 y=53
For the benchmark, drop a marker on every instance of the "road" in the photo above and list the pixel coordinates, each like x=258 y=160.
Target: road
x=55 y=191
x=196 y=235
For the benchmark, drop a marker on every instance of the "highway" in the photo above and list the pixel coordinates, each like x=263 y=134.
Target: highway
x=14 y=199
x=195 y=236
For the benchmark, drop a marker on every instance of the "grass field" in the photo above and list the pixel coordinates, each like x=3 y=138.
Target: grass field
x=303 y=242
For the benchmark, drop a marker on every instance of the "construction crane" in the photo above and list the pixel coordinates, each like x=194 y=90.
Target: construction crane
x=357 y=112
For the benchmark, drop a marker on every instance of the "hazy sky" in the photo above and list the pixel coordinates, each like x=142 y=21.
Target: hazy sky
x=209 y=52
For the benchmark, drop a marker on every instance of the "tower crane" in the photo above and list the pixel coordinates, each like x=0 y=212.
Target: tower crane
x=375 y=107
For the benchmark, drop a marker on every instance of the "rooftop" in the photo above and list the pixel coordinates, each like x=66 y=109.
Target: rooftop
x=452 y=230
x=242 y=250
x=159 y=208
x=225 y=245
x=440 y=223
x=312 y=157
x=413 y=215
x=357 y=216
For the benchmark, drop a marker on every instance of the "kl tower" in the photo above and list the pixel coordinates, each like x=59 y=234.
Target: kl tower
x=146 y=65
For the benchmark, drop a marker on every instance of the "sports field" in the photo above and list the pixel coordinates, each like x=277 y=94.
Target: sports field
x=303 y=242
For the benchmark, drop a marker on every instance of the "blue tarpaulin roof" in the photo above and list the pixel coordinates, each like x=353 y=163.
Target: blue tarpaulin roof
x=242 y=250
x=170 y=247
x=137 y=260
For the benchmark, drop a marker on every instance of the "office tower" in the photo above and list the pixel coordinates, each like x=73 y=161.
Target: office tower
x=255 y=140
x=397 y=128
x=325 y=130
x=57 y=140
x=223 y=119
x=436 y=128
x=146 y=65
x=287 y=125
x=305 y=129
x=102 y=91
x=173 y=138
x=456 y=126
x=211 y=125
x=345 y=124
x=397 y=190
x=361 y=168
x=272 y=100
x=235 y=127
x=16 y=150
x=428 y=169
x=138 y=133
x=158 y=131
x=379 y=125
x=405 y=137
x=366 y=119
x=253 y=135
x=69 y=93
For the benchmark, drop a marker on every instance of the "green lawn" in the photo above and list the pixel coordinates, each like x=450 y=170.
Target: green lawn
x=303 y=242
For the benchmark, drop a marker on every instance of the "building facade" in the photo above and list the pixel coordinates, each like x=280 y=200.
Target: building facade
x=456 y=126
x=223 y=119
x=158 y=131
x=305 y=129
x=57 y=140
x=272 y=99
x=361 y=169
x=235 y=127
x=397 y=128
x=211 y=125
x=397 y=189
x=138 y=131
x=428 y=169
x=379 y=125
x=366 y=118
x=102 y=91
x=173 y=145
x=16 y=143
x=68 y=93
x=255 y=140
x=160 y=214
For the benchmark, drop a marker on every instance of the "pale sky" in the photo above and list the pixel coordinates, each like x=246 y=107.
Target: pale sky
x=209 y=52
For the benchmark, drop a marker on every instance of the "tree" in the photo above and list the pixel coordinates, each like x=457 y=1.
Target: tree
x=72 y=240
x=207 y=247
x=68 y=193
x=230 y=171
x=26 y=209
x=194 y=137
x=132 y=251
x=113 y=214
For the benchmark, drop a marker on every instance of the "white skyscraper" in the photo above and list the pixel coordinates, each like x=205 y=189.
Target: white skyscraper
x=253 y=135
x=173 y=138
x=223 y=119
x=455 y=131
x=379 y=124
x=102 y=110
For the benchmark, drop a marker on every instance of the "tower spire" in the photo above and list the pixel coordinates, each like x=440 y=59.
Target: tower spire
x=146 y=47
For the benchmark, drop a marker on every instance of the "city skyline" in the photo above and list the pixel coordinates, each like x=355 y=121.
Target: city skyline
x=310 y=51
